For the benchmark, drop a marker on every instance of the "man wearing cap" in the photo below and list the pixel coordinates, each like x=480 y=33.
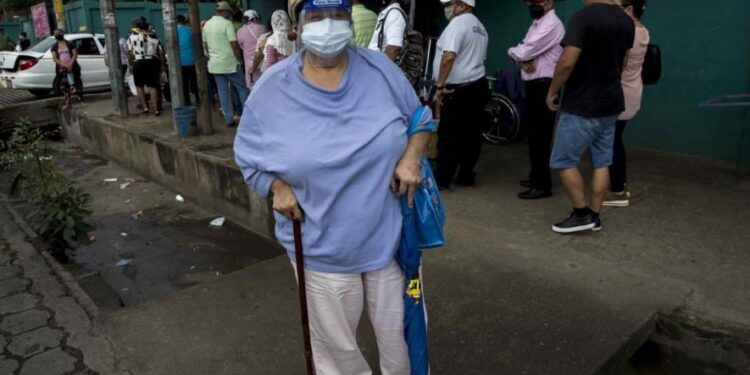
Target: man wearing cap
x=462 y=92
x=596 y=45
x=247 y=37
x=537 y=56
x=220 y=40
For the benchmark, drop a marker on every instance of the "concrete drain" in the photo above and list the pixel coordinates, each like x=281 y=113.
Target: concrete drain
x=682 y=345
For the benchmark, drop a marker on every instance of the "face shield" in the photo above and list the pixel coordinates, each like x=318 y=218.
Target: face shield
x=326 y=32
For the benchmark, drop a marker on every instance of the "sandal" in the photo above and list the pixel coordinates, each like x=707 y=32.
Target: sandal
x=157 y=113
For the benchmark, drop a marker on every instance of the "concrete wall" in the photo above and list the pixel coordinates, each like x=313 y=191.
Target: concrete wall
x=209 y=181
x=706 y=51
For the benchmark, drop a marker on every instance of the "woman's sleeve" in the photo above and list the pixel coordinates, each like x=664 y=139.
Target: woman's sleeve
x=248 y=153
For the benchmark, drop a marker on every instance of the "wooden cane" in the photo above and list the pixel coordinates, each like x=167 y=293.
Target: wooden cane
x=303 y=296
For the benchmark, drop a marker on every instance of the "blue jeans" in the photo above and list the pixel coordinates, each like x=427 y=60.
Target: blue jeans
x=233 y=81
x=576 y=135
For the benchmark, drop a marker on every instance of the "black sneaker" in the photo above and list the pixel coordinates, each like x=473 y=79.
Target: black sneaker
x=597 y=225
x=574 y=224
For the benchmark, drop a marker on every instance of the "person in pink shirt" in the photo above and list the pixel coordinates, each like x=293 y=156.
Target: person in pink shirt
x=537 y=56
x=278 y=46
x=632 y=88
x=247 y=37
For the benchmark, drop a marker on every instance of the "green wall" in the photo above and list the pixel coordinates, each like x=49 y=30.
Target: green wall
x=706 y=52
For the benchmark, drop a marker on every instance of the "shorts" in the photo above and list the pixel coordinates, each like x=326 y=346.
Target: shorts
x=577 y=134
x=147 y=73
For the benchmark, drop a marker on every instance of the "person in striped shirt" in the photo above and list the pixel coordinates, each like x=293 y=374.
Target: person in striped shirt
x=363 y=23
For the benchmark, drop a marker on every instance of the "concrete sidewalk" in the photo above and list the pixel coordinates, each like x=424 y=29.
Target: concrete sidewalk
x=506 y=296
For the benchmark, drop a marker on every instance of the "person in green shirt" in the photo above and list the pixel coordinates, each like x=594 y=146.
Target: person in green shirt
x=363 y=23
x=224 y=56
x=6 y=44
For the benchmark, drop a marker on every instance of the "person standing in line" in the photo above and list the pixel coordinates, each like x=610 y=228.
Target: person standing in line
x=278 y=46
x=220 y=40
x=390 y=29
x=23 y=41
x=462 y=93
x=146 y=61
x=313 y=138
x=67 y=69
x=187 y=59
x=595 y=48
x=248 y=37
x=537 y=56
x=632 y=87
x=6 y=44
x=363 y=24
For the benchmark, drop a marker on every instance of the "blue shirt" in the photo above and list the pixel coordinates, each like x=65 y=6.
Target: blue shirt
x=338 y=150
x=185 y=39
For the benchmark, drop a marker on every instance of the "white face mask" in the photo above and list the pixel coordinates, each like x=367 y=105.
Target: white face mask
x=450 y=12
x=327 y=38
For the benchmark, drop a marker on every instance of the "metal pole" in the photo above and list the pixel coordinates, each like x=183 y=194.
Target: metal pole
x=119 y=101
x=173 y=53
x=412 y=12
x=205 y=117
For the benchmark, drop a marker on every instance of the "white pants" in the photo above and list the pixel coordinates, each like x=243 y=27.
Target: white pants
x=335 y=304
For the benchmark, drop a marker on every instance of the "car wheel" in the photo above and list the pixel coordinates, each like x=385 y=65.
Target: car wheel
x=41 y=94
x=56 y=87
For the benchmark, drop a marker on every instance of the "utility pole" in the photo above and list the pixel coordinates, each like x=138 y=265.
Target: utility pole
x=205 y=117
x=173 y=53
x=119 y=101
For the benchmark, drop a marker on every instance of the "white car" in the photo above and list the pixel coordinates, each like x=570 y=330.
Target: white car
x=34 y=69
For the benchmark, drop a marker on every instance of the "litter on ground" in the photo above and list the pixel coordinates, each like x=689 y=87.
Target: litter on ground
x=219 y=221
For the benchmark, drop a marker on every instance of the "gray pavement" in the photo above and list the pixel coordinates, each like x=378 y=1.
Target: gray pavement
x=506 y=296
x=43 y=330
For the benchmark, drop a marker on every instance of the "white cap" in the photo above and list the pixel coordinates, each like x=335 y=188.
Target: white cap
x=471 y=3
x=251 y=14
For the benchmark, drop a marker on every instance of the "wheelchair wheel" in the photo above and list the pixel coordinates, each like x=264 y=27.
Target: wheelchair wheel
x=504 y=120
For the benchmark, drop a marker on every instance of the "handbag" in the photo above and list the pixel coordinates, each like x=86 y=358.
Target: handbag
x=428 y=203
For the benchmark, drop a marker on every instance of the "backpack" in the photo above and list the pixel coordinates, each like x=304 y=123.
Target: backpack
x=651 y=65
x=411 y=58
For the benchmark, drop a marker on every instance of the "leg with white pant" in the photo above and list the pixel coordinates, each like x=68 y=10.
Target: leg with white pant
x=384 y=290
x=335 y=304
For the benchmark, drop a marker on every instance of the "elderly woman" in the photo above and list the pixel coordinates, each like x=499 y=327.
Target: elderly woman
x=313 y=138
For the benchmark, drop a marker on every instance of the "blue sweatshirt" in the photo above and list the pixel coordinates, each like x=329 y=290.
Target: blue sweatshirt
x=338 y=150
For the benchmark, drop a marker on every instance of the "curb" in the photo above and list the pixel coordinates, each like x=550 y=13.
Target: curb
x=75 y=290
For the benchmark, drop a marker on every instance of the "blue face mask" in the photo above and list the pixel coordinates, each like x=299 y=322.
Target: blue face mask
x=327 y=38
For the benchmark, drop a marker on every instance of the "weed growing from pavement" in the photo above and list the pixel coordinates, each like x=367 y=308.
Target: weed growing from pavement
x=60 y=208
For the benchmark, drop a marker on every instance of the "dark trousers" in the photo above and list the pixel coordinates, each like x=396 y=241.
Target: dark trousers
x=462 y=120
x=189 y=83
x=541 y=125
x=618 y=172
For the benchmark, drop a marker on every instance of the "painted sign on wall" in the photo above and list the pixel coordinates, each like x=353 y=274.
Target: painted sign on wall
x=41 y=20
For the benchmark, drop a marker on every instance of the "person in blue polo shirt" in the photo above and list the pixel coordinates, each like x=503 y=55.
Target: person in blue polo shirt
x=311 y=137
x=187 y=59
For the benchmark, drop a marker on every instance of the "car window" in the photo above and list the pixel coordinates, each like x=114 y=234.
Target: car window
x=103 y=42
x=43 y=45
x=87 y=47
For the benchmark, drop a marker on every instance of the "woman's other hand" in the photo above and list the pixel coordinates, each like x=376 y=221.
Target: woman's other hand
x=407 y=176
x=284 y=200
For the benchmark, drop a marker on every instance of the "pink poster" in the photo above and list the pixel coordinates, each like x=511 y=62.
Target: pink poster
x=41 y=20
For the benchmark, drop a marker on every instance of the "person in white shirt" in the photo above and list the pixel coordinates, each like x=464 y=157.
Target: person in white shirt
x=389 y=30
x=462 y=92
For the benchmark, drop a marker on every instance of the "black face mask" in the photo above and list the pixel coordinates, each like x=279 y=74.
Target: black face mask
x=59 y=37
x=536 y=11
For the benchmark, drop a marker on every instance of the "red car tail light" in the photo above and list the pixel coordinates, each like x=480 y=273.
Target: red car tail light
x=27 y=64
